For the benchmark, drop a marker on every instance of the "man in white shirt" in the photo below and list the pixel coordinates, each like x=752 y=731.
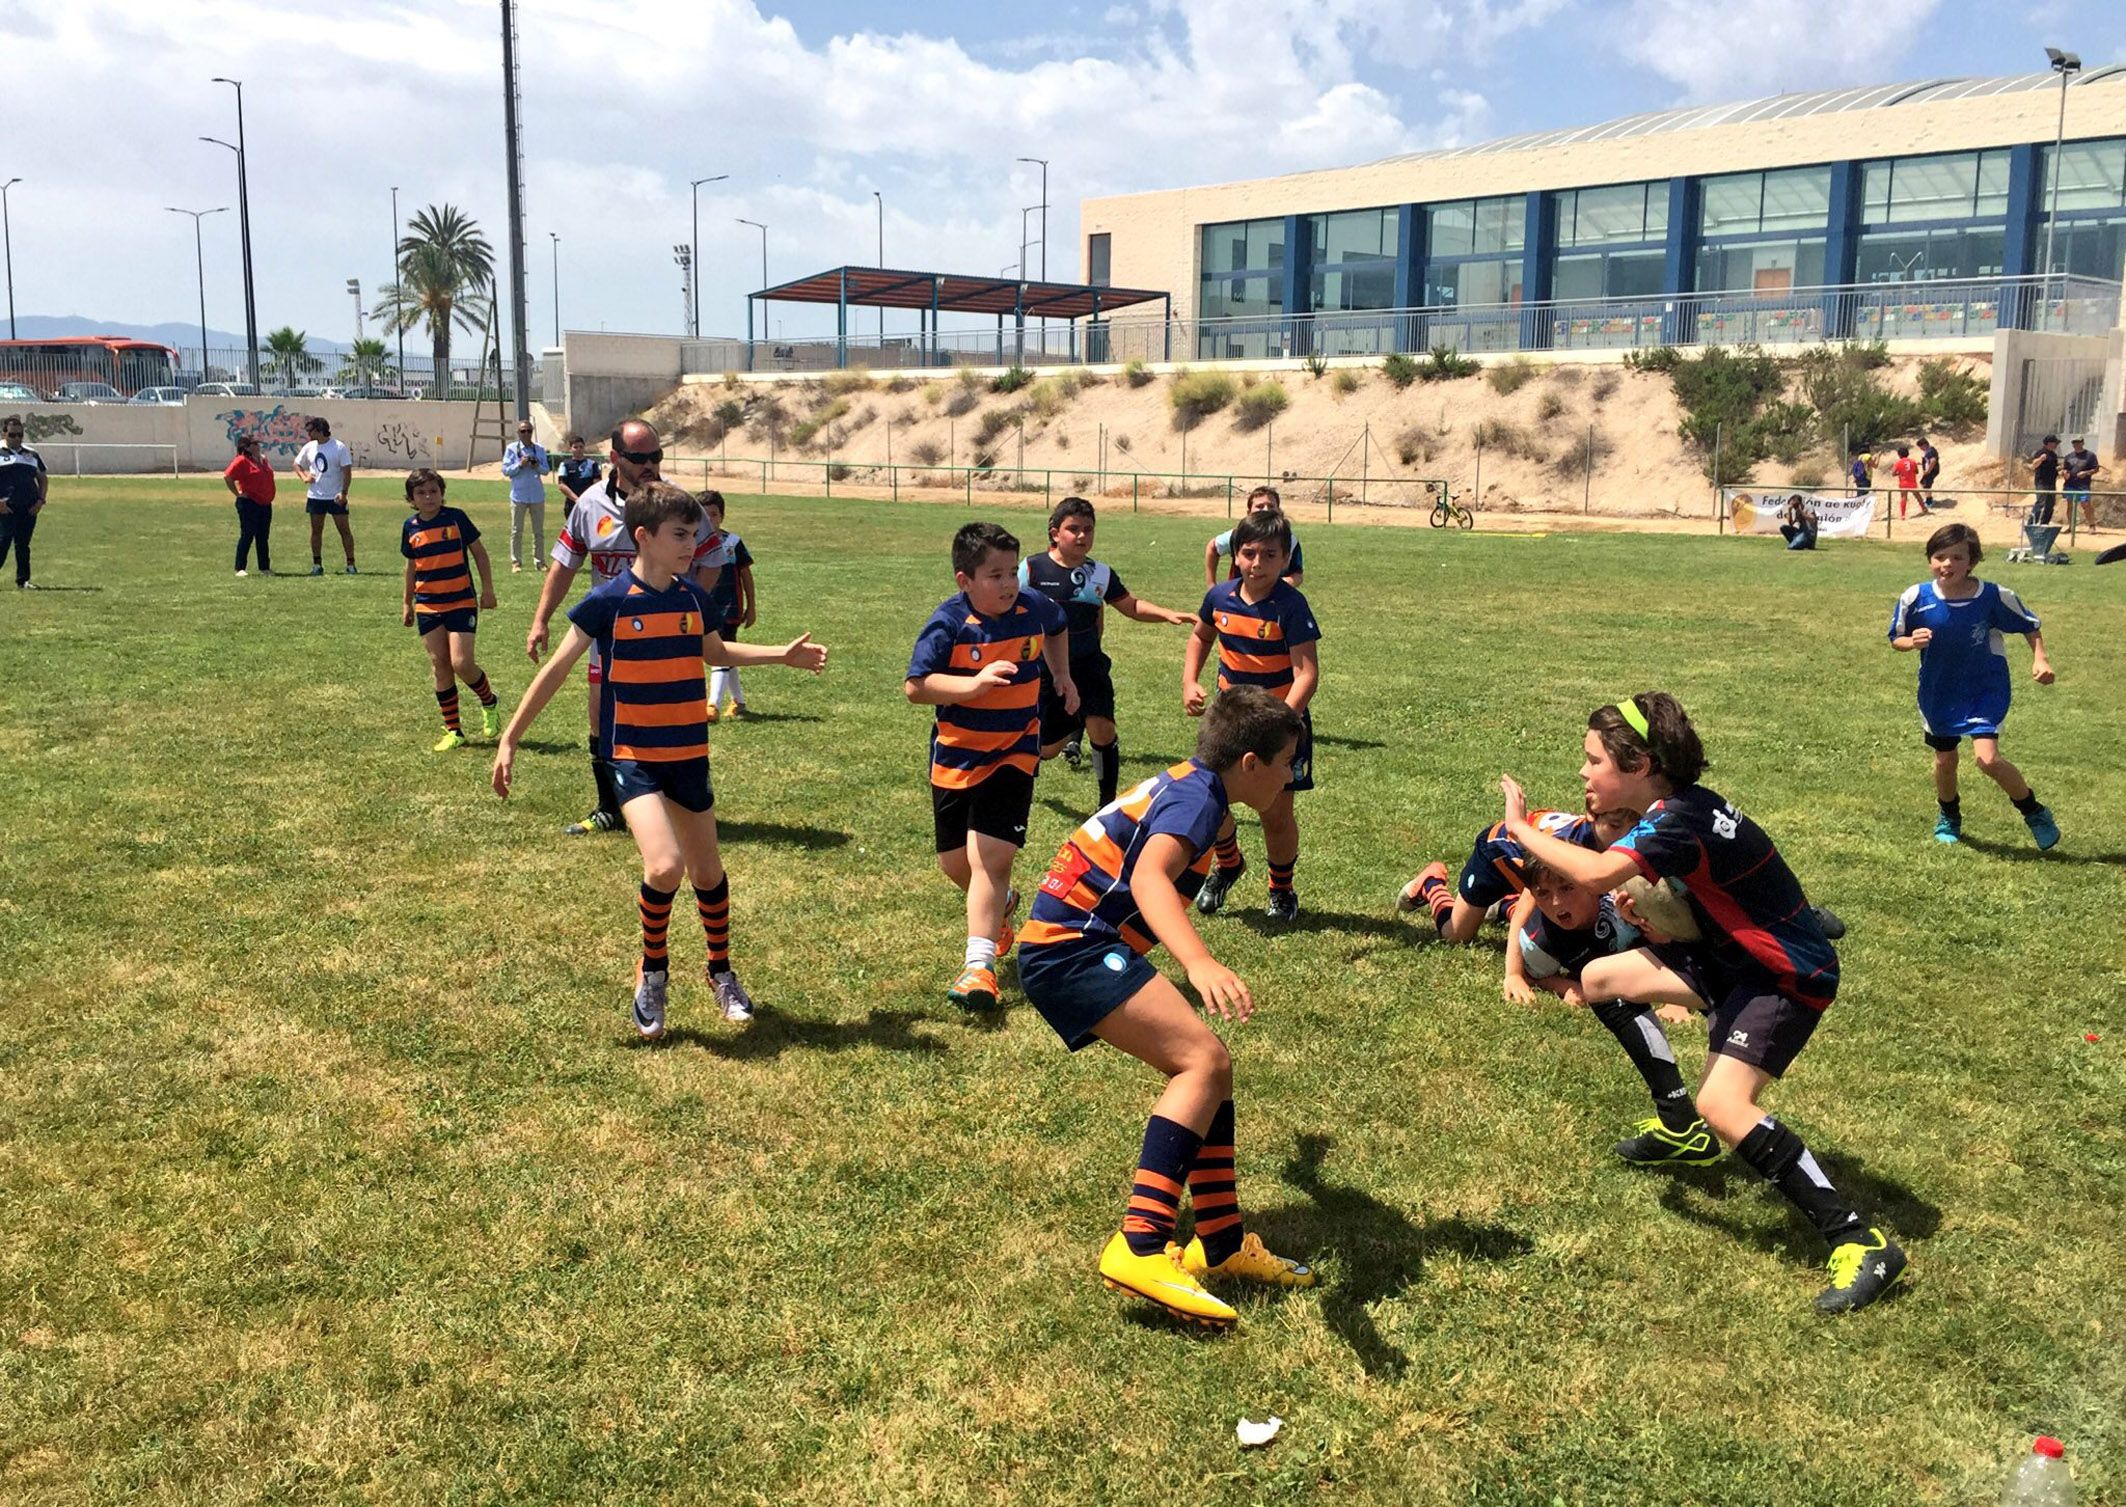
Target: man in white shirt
x=524 y=463
x=327 y=467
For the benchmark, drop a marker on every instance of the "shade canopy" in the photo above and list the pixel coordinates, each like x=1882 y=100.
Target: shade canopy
x=955 y=293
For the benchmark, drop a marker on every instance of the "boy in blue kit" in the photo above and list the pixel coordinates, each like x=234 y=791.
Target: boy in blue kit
x=732 y=592
x=654 y=630
x=1261 y=500
x=1957 y=623
x=1119 y=886
x=978 y=661
x=1769 y=970
x=436 y=541
x=1265 y=635
x=1085 y=588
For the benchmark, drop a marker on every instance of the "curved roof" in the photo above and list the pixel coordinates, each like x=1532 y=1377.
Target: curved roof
x=1778 y=107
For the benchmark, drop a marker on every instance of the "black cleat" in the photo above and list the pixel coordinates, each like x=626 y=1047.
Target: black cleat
x=1656 y=1145
x=1216 y=885
x=1827 y=919
x=1074 y=754
x=1861 y=1272
x=600 y=820
x=1284 y=905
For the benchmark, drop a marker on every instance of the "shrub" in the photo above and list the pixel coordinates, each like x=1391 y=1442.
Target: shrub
x=900 y=385
x=968 y=381
x=1783 y=431
x=1316 y=363
x=809 y=430
x=1047 y=396
x=1655 y=358
x=1950 y=399
x=926 y=452
x=1120 y=442
x=1062 y=440
x=1136 y=373
x=1867 y=354
x=730 y=413
x=1011 y=380
x=766 y=419
x=1399 y=369
x=966 y=400
x=1511 y=376
x=1720 y=391
x=1583 y=450
x=1605 y=387
x=933 y=393
x=1260 y=404
x=862 y=417
x=1549 y=406
x=837 y=472
x=1445 y=364
x=985 y=460
x=730 y=379
x=1566 y=376
x=844 y=382
x=1197 y=395
x=1840 y=384
x=1806 y=476
x=1345 y=382
x=1416 y=443
x=1506 y=439
x=995 y=422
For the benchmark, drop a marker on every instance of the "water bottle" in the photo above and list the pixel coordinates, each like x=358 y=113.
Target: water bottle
x=2042 y=1479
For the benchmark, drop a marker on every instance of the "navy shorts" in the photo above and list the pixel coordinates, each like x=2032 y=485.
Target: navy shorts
x=1079 y=983
x=1755 y=1023
x=1481 y=883
x=1303 y=759
x=682 y=781
x=999 y=807
x=1095 y=680
x=324 y=506
x=457 y=620
x=1684 y=961
x=1944 y=742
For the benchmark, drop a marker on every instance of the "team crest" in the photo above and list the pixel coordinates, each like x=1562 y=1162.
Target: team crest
x=638 y=624
x=605 y=527
x=1262 y=629
x=1220 y=618
x=1029 y=648
x=685 y=618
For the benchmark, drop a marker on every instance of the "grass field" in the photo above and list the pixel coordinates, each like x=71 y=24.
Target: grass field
x=333 y=1172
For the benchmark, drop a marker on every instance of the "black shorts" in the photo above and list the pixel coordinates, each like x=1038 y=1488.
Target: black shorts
x=1754 y=1023
x=320 y=507
x=1079 y=983
x=728 y=632
x=1685 y=962
x=998 y=807
x=685 y=782
x=457 y=620
x=1095 y=679
x=1303 y=759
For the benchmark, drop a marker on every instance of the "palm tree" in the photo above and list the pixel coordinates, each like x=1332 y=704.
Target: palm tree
x=446 y=276
x=366 y=361
x=290 y=347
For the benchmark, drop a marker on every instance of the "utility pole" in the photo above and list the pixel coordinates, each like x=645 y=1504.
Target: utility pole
x=518 y=316
x=200 y=256
x=2066 y=65
x=694 y=256
x=881 y=262
x=555 y=236
x=243 y=201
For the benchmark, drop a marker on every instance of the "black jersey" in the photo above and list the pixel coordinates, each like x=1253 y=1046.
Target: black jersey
x=1082 y=591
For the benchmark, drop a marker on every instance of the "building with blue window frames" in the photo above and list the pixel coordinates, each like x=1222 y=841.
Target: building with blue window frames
x=1901 y=211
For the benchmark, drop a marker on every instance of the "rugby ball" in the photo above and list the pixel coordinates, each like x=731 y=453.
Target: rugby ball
x=1663 y=906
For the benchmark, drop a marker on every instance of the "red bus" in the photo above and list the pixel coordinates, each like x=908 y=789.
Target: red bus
x=127 y=365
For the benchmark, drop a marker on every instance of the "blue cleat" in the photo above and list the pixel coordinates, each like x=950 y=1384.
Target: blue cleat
x=2043 y=828
x=1948 y=829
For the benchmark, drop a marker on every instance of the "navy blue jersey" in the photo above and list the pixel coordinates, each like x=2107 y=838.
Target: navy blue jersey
x=1082 y=591
x=19 y=470
x=1548 y=949
x=1256 y=639
x=1749 y=906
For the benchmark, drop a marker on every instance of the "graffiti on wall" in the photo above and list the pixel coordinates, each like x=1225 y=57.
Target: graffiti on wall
x=277 y=429
x=44 y=426
x=395 y=445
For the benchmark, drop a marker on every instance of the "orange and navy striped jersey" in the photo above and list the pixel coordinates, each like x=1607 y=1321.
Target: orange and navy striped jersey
x=656 y=706
x=1256 y=639
x=442 y=576
x=1087 y=891
x=1001 y=728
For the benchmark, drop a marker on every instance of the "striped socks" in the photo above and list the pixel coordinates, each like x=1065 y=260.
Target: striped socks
x=1226 y=850
x=1438 y=897
x=1155 y=1197
x=714 y=906
x=656 y=908
x=1281 y=874
x=448 y=701
x=484 y=691
x=1212 y=1192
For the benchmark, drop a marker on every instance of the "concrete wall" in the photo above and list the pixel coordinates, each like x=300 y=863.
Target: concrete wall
x=384 y=436
x=610 y=377
x=2012 y=348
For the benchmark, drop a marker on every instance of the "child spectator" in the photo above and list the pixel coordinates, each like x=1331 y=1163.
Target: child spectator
x=1929 y=471
x=576 y=474
x=1862 y=471
x=2045 y=479
x=2080 y=466
x=732 y=592
x=1262 y=499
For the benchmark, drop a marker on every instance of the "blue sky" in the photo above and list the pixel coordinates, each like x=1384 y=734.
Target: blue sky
x=811 y=107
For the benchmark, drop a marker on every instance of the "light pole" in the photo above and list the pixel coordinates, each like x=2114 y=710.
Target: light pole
x=555 y=237
x=683 y=255
x=694 y=251
x=354 y=288
x=881 y=262
x=7 y=233
x=519 y=315
x=243 y=201
x=763 y=248
x=2066 y=65
x=1043 y=206
x=200 y=256
x=398 y=290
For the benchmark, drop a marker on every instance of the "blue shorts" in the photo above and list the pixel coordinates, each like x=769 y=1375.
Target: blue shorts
x=682 y=781
x=1481 y=883
x=457 y=620
x=1079 y=983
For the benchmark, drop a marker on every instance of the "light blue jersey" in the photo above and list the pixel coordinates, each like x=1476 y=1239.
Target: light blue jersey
x=1963 y=670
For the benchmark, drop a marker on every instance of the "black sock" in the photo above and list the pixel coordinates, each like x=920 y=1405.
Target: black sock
x=1107 y=766
x=1777 y=1155
x=1640 y=1035
x=602 y=777
x=2030 y=805
x=1952 y=808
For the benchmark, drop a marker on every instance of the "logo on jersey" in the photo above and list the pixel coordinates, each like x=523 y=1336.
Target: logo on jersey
x=1030 y=649
x=1725 y=822
x=686 y=622
x=638 y=624
x=605 y=526
x=1738 y=1038
x=1262 y=629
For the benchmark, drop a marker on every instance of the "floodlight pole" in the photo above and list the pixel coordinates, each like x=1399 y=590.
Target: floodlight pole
x=200 y=256
x=243 y=201
x=7 y=234
x=518 y=315
x=398 y=287
x=2066 y=65
x=694 y=249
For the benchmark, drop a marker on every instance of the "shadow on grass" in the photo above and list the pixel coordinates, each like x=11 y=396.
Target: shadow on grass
x=1880 y=1200
x=40 y=587
x=813 y=839
x=553 y=746
x=1331 y=740
x=2025 y=853
x=753 y=716
x=1383 y=1249
x=1259 y=922
x=773 y=1033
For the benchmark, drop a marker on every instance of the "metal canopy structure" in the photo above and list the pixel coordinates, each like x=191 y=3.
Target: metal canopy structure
x=933 y=293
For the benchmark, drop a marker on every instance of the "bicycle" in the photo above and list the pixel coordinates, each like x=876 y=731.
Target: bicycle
x=1446 y=510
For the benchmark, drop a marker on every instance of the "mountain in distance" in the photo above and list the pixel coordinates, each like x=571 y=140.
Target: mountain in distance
x=181 y=335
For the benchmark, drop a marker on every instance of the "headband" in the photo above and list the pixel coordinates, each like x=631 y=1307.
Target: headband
x=1635 y=719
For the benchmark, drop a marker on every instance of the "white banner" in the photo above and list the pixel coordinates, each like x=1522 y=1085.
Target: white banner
x=1750 y=511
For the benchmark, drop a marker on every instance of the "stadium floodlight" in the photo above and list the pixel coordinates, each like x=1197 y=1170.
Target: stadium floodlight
x=683 y=258
x=2066 y=65
x=243 y=201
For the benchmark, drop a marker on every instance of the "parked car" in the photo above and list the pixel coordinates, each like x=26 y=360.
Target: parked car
x=372 y=392
x=149 y=396
x=19 y=392
x=87 y=392
x=227 y=390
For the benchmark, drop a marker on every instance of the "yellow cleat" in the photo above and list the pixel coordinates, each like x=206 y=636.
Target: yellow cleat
x=450 y=740
x=710 y=714
x=974 y=989
x=1007 y=929
x=1160 y=1279
x=1253 y=1262
x=491 y=721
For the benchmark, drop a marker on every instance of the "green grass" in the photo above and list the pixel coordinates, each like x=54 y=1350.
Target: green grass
x=332 y=1171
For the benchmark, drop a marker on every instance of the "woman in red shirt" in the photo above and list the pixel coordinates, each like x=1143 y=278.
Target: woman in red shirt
x=250 y=481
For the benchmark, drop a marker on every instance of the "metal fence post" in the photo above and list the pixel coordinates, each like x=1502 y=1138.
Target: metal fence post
x=1476 y=488
x=827 y=470
x=1587 y=490
x=1135 y=477
x=1719 y=513
x=1332 y=499
x=1228 y=494
x=970 y=486
x=893 y=476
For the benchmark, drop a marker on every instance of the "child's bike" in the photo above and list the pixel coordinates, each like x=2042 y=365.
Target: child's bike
x=1446 y=511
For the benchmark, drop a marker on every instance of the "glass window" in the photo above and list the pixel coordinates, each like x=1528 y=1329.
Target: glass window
x=1730 y=204
x=1266 y=243
x=1992 y=201
x=1480 y=227
x=1614 y=274
x=1500 y=223
x=1959 y=186
x=2092 y=175
x=1449 y=229
x=1926 y=255
x=1628 y=212
x=1244 y=246
x=1797 y=199
x=1097 y=259
x=2089 y=248
x=1359 y=235
x=1761 y=267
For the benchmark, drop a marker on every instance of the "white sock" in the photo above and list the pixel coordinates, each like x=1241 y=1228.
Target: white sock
x=737 y=691
x=719 y=678
x=981 y=952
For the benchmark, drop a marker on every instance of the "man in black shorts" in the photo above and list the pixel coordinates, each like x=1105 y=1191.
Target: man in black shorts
x=2045 y=478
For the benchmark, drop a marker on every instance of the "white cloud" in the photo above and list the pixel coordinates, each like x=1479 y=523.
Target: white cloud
x=1743 y=49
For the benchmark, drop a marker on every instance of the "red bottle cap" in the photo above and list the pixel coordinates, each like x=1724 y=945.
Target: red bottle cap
x=2049 y=1447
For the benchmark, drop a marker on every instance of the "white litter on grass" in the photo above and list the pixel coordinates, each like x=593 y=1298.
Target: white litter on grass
x=1254 y=1435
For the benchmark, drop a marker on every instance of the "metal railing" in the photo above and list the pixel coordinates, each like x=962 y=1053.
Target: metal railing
x=1947 y=308
x=328 y=374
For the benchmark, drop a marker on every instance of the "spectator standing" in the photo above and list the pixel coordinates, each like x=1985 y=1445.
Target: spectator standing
x=1862 y=471
x=250 y=481
x=575 y=474
x=326 y=467
x=1929 y=471
x=2045 y=479
x=1906 y=470
x=524 y=463
x=2081 y=467
x=23 y=486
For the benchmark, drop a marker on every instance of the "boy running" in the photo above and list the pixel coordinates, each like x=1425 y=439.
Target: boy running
x=651 y=626
x=1771 y=972
x=1084 y=587
x=978 y=661
x=1119 y=886
x=1265 y=634
x=436 y=541
x=731 y=590
x=1261 y=500
x=1957 y=623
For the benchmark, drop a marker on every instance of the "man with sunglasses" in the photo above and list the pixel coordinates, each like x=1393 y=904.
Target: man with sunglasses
x=594 y=531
